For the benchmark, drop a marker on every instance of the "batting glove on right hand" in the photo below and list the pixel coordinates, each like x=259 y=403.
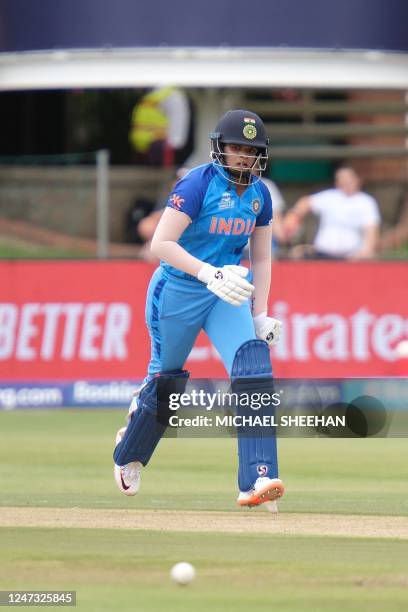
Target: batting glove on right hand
x=227 y=282
x=267 y=328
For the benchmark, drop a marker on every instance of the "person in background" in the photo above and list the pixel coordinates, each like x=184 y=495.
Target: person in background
x=160 y=127
x=139 y=210
x=146 y=226
x=349 y=220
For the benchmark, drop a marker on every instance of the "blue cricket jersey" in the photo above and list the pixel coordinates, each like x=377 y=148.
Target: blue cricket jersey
x=221 y=220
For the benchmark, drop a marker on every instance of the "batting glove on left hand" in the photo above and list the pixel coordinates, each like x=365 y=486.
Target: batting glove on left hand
x=267 y=328
x=228 y=282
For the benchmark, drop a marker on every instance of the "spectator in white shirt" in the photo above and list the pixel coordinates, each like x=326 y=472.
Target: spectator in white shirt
x=349 y=220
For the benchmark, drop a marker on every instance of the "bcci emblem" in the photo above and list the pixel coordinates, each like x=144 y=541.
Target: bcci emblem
x=249 y=131
x=262 y=470
x=256 y=205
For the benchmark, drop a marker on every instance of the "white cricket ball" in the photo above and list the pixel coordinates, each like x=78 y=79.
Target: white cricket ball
x=182 y=573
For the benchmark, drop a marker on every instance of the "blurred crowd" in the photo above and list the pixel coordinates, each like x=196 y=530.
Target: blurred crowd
x=347 y=219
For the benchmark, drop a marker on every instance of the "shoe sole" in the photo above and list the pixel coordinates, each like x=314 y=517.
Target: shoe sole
x=268 y=493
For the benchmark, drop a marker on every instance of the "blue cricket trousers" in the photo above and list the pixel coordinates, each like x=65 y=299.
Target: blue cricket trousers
x=177 y=309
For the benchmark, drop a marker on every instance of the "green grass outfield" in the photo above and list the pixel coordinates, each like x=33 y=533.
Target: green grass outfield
x=20 y=249
x=62 y=459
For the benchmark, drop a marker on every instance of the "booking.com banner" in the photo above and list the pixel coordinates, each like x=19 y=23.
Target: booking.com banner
x=79 y=327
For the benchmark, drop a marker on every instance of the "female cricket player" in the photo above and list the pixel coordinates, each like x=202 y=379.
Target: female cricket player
x=209 y=218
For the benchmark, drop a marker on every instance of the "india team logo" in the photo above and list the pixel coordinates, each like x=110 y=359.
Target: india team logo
x=256 y=205
x=249 y=131
x=262 y=470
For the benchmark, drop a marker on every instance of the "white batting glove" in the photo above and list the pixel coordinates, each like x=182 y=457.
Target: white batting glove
x=267 y=328
x=227 y=282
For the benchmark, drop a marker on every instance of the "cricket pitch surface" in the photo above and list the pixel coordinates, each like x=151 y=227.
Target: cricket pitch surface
x=210 y=522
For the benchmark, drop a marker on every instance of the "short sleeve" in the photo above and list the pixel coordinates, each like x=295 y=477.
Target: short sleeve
x=265 y=216
x=370 y=213
x=188 y=193
x=318 y=201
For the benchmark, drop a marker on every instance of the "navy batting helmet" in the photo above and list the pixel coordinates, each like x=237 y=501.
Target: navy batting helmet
x=241 y=127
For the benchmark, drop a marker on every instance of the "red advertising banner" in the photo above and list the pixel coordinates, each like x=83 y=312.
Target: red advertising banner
x=85 y=320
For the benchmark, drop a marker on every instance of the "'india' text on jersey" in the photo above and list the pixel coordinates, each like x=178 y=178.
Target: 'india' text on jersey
x=221 y=220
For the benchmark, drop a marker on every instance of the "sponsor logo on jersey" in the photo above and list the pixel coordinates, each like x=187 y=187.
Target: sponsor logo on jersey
x=256 y=205
x=176 y=201
x=234 y=226
x=227 y=201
